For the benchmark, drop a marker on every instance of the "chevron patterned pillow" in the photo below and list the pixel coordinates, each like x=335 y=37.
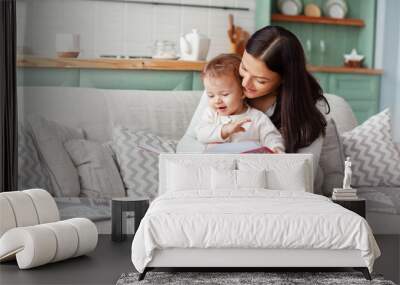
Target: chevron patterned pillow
x=31 y=173
x=375 y=159
x=137 y=155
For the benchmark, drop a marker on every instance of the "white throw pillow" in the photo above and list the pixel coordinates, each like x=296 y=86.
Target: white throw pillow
x=182 y=178
x=98 y=174
x=292 y=179
x=281 y=174
x=223 y=179
x=375 y=159
x=251 y=178
x=187 y=174
x=49 y=138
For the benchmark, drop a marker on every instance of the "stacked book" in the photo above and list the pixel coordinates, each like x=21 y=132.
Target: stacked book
x=344 y=194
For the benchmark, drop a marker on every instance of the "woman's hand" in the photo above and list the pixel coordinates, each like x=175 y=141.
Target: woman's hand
x=234 y=127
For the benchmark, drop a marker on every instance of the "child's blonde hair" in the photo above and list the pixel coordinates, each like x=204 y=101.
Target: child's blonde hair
x=223 y=64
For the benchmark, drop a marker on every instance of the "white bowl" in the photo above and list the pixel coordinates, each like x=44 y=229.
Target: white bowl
x=335 y=9
x=290 y=7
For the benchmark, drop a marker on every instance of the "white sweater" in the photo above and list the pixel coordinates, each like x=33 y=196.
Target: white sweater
x=260 y=129
x=190 y=144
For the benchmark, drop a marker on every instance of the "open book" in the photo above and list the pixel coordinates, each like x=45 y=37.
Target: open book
x=239 y=147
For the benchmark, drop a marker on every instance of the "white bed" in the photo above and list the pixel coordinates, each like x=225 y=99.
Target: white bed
x=194 y=223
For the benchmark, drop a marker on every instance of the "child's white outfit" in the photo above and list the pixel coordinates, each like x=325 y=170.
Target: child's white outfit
x=260 y=129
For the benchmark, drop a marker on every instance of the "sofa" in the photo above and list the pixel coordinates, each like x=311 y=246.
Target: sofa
x=69 y=128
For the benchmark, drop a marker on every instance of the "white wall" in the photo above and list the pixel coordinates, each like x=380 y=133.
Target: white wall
x=388 y=58
x=124 y=28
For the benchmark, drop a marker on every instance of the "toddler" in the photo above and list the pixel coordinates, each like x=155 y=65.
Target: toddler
x=228 y=118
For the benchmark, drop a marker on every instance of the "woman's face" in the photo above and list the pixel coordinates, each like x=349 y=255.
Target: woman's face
x=258 y=80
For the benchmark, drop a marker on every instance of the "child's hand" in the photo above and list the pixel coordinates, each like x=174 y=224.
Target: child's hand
x=235 y=127
x=277 y=150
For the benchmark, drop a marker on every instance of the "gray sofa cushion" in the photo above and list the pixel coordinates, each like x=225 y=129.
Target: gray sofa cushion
x=381 y=199
x=91 y=208
x=332 y=159
x=49 y=138
x=99 y=177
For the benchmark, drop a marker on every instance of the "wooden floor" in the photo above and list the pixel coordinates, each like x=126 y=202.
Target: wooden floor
x=103 y=266
x=111 y=259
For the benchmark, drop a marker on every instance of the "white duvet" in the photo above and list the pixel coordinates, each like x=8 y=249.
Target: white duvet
x=250 y=219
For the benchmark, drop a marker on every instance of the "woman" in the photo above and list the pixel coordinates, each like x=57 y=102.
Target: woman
x=275 y=81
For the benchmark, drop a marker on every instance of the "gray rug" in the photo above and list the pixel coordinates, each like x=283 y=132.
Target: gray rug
x=243 y=278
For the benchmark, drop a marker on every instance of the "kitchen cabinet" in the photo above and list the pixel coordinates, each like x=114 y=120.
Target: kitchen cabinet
x=141 y=74
x=111 y=79
x=339 y=36
x=360 y=89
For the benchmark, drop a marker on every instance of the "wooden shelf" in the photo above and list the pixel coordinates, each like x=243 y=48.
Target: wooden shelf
x=103 y=63
x=155 y=64
x=343 y=69
x=317 y=20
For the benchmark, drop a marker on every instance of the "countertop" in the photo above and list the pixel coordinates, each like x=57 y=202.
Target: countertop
x=156 y=64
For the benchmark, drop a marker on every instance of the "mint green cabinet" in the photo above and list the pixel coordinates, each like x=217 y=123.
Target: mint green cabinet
x=111 y=79
x=360 y=91
x=337 y=39
x=32 y=76
x=323 y=80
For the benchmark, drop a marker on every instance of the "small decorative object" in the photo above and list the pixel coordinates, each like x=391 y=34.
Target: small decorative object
x=194 y=46
x=290 y=7
x=353 y=59
x=237 y=36
x=312 y=10
x=335 y=9
x=164 y=50
x=346 y=192
x=67 y=45
x=347 y=174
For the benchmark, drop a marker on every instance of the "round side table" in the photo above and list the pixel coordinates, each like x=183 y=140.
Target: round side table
x=119 y=209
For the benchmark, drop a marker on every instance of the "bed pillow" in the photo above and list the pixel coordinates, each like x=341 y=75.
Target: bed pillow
x=332 y=159
x=137 y=155
x=188 y=174
x=281 y=174
x=31 y=173
x=291 y=179
x=99 y=177
x=223 y=179
x=49 y=138
x=251 y=179
x=375 y=159
x=182 y=177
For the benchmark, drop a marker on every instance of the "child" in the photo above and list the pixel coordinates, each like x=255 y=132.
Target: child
x=228 y=117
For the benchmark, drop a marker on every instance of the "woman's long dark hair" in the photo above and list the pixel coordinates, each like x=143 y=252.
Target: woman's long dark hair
x=296 y=114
